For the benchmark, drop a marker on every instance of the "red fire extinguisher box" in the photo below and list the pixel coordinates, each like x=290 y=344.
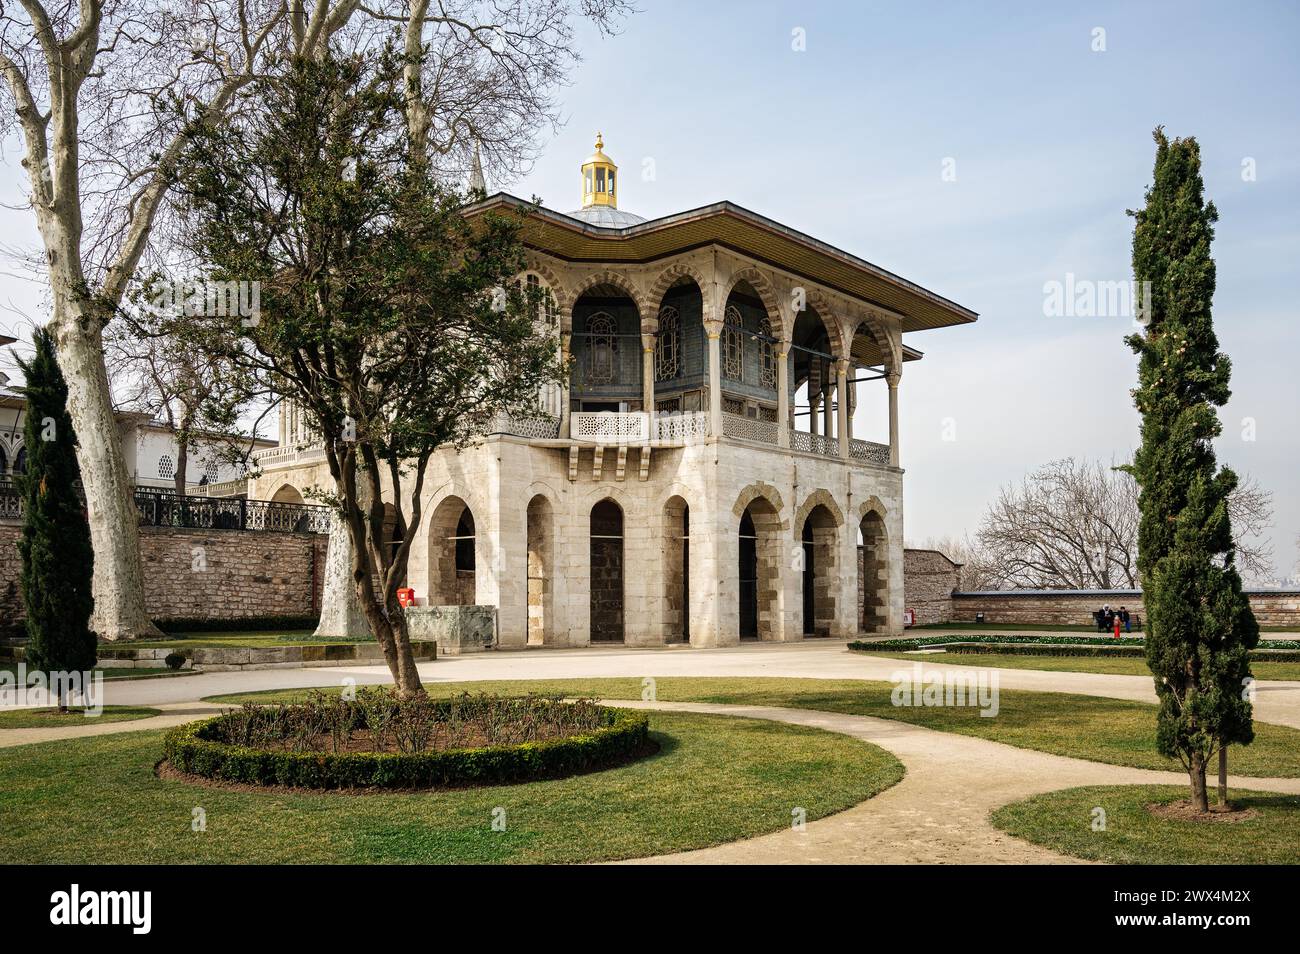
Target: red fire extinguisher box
x=406 y=596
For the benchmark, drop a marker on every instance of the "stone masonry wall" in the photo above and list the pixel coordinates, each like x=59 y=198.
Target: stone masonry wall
x=200 y=574
x=929 y=580
x=1271 y=607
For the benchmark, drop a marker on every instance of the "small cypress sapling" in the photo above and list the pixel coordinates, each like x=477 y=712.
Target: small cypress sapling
x=57 y=559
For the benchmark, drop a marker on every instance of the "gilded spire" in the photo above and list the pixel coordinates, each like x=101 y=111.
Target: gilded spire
x=598 y=173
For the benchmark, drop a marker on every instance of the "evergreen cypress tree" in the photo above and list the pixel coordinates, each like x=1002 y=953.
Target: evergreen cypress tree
x=1200 y=628
x=55 y=544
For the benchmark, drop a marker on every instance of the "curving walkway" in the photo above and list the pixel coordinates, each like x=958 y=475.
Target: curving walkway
x=939 y=812
x=1276 y=702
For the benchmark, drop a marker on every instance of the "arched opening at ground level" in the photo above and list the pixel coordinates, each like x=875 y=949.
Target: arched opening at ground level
x=677 y=571
x=452 y=558
x=873 y=575
x=607 y=572
x=817 y=537
x=759 y=570
x=541 y=548
x=287 y=494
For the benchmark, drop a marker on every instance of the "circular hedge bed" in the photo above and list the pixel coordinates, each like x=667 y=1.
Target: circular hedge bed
x=382 y=741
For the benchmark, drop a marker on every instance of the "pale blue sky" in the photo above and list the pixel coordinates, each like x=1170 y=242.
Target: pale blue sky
x=1051 y=142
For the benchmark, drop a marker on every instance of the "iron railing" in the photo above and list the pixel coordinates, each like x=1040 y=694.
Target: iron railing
x=159 y=507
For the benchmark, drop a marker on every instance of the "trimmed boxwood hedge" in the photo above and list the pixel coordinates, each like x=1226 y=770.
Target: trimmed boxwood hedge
x=189 y=749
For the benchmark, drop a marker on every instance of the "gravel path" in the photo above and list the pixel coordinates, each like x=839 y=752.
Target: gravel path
x=1276 y=702
x=939 y=812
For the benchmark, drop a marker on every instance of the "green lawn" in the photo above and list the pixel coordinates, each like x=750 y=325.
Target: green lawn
x=1063 y=821
x=1086 y=727
x=1111 y=665
x=51 y=718
x=716 y=779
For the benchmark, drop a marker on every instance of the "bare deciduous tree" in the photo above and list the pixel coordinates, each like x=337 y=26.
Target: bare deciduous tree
x=155 y=373
x=104 y=92
x=1072 y=524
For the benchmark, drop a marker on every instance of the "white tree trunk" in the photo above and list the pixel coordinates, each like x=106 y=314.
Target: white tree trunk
x=118 y=582
x=340 y=610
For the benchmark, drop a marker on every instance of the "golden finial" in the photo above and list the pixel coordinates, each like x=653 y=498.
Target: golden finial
x=598 y=175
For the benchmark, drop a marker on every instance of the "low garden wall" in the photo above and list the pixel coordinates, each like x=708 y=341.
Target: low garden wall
x=198 y=575
x=1075 y=607
x=217 y=659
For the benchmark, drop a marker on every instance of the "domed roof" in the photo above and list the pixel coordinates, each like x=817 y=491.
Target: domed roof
x=606 y=216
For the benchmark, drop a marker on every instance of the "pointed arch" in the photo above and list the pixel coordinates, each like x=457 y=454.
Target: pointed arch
x=819 y=498
x=622 y=282
x=563 y=301
x=287 y=494
x=755 y=491
x=829 y=315
x=890 y=349
x=762 y=285
x=873 y=552
x=669 y=277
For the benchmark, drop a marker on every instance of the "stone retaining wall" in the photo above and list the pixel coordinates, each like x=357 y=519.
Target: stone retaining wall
x=929 y=580
x=1011 y=607
x=217 y=659
x=203 y=574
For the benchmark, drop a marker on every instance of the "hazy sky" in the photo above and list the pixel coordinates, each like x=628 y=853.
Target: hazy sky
x=1050 y=141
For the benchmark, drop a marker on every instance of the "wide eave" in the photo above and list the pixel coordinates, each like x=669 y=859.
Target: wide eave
x=743 y=231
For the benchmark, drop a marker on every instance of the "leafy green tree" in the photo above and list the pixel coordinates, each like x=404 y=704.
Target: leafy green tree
x=395 y=324
x=57 y=560
x=1200 y=628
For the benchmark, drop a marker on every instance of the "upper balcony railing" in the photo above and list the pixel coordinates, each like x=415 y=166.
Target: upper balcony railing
x=288 y=455
x=610 y=427
x=869 y=451
x=749 y=428
x=536 y=426
x=636 y=427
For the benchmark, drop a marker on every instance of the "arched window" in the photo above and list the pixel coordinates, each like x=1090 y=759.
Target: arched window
x=20 y=462
x=4 y=462
x=668 y=346
x=766 y=355
x=544 y=312
x=602 y=348
x=732 y=343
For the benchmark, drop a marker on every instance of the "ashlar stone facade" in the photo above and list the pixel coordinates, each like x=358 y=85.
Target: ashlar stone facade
x=696 y=479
